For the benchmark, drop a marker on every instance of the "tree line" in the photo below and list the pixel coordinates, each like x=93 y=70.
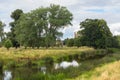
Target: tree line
x=41 y=28
x=94 y=33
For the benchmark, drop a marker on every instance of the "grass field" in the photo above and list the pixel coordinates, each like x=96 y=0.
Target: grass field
x=34 y=54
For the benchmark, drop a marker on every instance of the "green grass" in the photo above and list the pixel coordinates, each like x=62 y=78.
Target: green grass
x=21 y=55
x=96 y=69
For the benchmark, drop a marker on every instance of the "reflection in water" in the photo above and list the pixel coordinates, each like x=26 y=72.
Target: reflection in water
x=43 y=69
x=66 y=64
x=34 y=73
x=7 y=75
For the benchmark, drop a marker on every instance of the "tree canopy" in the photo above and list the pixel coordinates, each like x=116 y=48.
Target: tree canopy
x=42 y=25
x=95 y=33
x=1 y=30
x=15 y=15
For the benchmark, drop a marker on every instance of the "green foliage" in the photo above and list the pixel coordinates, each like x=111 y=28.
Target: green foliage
x=16 y=14
x=11 y=35
x=118 y=38
x=1 y=65
x=95 y=33
x=8 y=44
x=49 y=61
x=11 y=64
x=42 y=25
x=70 y=42
x=2 y=35
x=77 y=42
x=40 y=76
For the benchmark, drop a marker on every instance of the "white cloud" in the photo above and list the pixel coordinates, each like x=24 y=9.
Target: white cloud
x=115 y=28
x=79 y=8
x=116 y=33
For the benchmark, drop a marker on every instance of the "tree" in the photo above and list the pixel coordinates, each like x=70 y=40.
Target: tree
x=42 y=25
x=77 y=42
x=16 y=14
x=11 y=35
x=70 y=42
x=95 y=33
x=59 y=17
x=8 y=44
x=113 y=42
x=1 y=30
x=29 y=28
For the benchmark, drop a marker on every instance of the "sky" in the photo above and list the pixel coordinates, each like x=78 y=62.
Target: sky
x=109 y=10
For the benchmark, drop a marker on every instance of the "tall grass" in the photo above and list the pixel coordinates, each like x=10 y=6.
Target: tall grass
x=110 y=71
x=22 y=55
x=105 y=68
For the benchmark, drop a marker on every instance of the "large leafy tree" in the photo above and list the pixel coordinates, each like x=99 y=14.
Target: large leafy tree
x=30 y=26
x=95 y=33
x=59 y=17
x=42 y=26
x=11 y=35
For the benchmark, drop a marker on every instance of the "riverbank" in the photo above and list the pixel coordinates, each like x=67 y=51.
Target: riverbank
x=21 y=60
x=21 y=55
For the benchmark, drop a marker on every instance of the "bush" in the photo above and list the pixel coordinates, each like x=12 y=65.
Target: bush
x=110 y=50
x=11 y=64
x=1 y=65
x=70 y=42
x=48 y=61
x=93 y=54
x=8 y=44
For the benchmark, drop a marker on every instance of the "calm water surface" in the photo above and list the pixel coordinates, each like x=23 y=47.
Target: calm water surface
x=26 y=73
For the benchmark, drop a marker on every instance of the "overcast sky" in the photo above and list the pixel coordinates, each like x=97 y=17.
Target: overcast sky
x=108 y=10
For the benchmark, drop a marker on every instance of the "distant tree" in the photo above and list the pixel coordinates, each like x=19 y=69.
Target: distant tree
x=95 y=33
x=70 y=42
x=77 y=42
x=65 y=41
x=118 y=39
x=11 y=35
x=8 y=44
x=59 y=43
x=2 y=33
x=113 y=42
x=1 y=30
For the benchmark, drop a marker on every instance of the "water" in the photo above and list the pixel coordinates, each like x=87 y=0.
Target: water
x=27 y=73
x=66 y=64
x=7 y=75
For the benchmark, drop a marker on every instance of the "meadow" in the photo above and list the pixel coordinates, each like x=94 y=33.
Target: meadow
x=23 y=55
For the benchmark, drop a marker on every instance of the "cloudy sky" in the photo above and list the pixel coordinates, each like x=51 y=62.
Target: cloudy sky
x=108 y=10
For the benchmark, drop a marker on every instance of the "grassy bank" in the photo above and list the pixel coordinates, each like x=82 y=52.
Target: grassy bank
x=109 y=71
x=105 y=68
x=21 y=55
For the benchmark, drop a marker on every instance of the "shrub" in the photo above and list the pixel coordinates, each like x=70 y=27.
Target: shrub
x=1 y=65
x=110 y=50
x=76 y=56
x=93 y=54
x=8 y=44
x=11 y=64
x=48 y=61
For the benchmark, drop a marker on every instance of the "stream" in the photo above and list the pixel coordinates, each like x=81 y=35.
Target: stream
x=25 y=72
